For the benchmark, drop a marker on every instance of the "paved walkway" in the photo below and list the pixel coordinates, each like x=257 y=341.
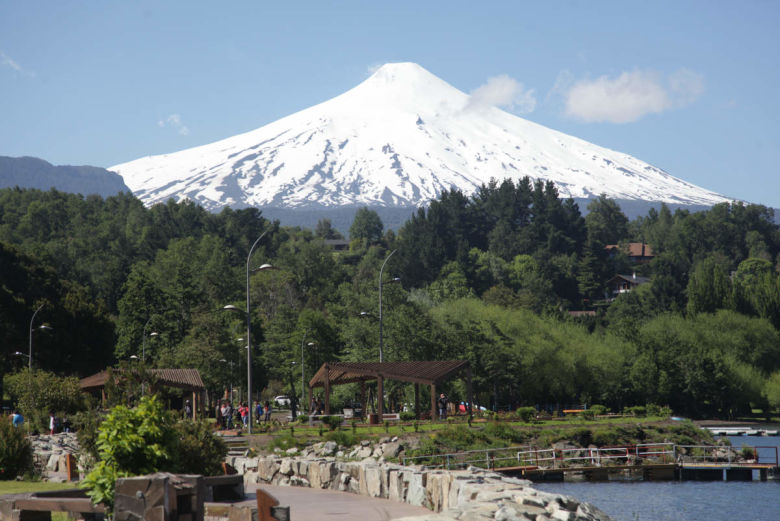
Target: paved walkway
x=308 y=504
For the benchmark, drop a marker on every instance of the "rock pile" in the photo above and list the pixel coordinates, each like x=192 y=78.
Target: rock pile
x=464 y=495
x=50 y=452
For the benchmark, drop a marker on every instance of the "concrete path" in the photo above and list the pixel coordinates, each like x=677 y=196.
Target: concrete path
x=308 y=504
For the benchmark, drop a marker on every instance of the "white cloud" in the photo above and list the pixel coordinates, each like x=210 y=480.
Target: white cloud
x=9 y=62
x=174 y=121
x=503 y=91
x=632 y=95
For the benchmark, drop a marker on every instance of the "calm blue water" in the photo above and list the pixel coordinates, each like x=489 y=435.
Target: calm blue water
x=683 y=501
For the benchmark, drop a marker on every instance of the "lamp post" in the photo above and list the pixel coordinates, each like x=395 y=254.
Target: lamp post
x=249 y=325
x=42 y=326
x=303 y=379
x=381 y=283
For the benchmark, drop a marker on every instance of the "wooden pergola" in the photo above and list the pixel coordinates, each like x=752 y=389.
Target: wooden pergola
x=429 y=373
x=187 y=379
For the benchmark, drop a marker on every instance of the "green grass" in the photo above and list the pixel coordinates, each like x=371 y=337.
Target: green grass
x=18 y=487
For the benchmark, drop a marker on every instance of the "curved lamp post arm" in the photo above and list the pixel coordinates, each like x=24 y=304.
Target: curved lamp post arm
x=249 y=333
x=32 y=320
x=382 y=269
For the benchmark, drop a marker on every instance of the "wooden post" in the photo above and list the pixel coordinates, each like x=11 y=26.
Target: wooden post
x=433 y=402
x=363 y=402
x=469 y=391
x=417 y=401
x=380 y=398
x=327 y=389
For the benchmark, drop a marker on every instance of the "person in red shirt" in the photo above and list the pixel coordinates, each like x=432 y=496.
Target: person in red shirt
x=243 y=410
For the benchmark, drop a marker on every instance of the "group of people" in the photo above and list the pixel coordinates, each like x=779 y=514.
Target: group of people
x=230 y=417
x=55 y=424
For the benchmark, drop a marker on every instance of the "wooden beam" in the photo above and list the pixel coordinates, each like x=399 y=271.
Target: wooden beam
x=433 y=402
x=380 y=398
x=417 y=401
x=327 y=389
x=469 y=391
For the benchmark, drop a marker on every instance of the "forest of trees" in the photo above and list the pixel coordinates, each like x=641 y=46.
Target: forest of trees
x=489 y=278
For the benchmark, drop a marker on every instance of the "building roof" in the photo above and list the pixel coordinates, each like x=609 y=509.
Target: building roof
x=182 y=378
x=633 y=279
x=429 y=372
x=633 y=249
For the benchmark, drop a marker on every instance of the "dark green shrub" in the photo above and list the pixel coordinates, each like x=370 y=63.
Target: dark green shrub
x=196 y=449
x=303 y=418
x=38 y=392
x=407 y=416
x=333 y=422
x=343 y=438
x=598 y=410
x=639 y=411
x=526 y=414
x=588 y=414
x=86 y=424
x=15 y=451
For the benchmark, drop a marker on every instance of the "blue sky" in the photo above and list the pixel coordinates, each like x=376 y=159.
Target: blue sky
x=691 y=87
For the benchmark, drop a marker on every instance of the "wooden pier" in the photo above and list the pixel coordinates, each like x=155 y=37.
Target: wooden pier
x=649 y=462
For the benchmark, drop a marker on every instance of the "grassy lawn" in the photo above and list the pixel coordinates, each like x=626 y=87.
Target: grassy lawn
x=18 y=487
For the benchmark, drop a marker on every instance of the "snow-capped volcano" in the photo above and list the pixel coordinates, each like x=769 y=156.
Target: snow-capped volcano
x=398 y=139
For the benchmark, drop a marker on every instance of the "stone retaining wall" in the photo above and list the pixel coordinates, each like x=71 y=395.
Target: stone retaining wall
x=466 y=495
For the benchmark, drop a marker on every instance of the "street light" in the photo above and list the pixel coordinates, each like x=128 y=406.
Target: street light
x=231 y=307
x=396 y=279
x=303 y=379
x=42 y=327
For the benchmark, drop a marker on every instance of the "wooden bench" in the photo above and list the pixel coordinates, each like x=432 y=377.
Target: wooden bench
x=268 y=508
x=38 y=506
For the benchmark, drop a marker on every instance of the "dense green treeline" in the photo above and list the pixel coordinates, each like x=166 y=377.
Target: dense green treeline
x=489 y=278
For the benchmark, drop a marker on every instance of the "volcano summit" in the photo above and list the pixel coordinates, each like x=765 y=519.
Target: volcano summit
x=398 y=139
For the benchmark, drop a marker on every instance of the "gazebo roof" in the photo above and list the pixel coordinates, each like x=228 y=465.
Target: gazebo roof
x=429 y=372
x=181 y=378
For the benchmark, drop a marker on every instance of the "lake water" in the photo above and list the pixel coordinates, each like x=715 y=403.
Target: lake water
x=686 y=500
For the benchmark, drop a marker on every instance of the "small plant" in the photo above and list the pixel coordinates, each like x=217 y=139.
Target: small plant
x=387 y=426
x=321 y=430
x=526 y=414
x=416 y=426
x=407 y=416
x=640 y=411
x=588 y=414
x=303 y=418
x=748 y=452
x=354 y=427
x=598 y=410
x=333 y=422
x=292 y=431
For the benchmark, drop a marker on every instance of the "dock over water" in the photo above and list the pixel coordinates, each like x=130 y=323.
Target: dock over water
x=648 y=462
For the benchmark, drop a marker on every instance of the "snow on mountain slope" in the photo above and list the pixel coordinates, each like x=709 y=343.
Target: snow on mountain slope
x=398 y=139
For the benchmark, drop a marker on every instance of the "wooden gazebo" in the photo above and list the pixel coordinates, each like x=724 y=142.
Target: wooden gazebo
x=427 y=373
x=187 y=379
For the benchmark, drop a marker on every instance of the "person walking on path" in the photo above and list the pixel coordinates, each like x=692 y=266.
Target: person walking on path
x=17 y=420
x=442 y=404
x=243 y=410
x=187 y=409
x=267 y=411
